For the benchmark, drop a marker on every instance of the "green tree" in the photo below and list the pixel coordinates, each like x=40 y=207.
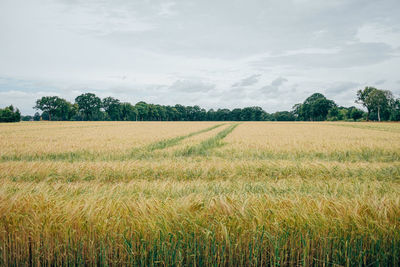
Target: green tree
x=252 y=114
x=235 y=114
x=128 y=112
x=395 y=110
x=319 y=106
x=378 y=103
x=364 y=99
x=143 y=110
x=202 y=115
x=89 y=105
x=211 y=115
x=355 y=113
x=172 y=114
x=315 y=108
x=298 y=112
x=48 y=104
x=379 y=100
x=222 y=114
x=65 y=110
x=112 y=107
x=152 y=113
x=283 y=116
x=73 y=111
x=336 y=114
x=162 y=112
x=55 y=108
x=26 y=118
x=36 y=117
x=182 y=112
x=10 y=114
x=258 y=113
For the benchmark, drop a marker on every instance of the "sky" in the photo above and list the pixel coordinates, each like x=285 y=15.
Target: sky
x=215 y=54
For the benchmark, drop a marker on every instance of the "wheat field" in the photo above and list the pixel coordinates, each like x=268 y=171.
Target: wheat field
x=200 y=193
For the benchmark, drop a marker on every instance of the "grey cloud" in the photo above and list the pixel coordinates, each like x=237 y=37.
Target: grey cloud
x=379 y=82
x=234 y=94
x=253 y=79
x=245 y=27
x=343 y=93
x=278 y=81
x=341 y=87
x=358 y=54
x=191 y=86
x=273 y=87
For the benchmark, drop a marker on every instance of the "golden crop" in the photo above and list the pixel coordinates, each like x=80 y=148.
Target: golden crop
x=34 y=138
x=199 y=193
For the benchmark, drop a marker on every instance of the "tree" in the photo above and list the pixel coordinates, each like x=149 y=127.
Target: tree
x=48 y=104
x=247 y=114
x=395 y=110
x=65 y=110
x=355 y=113
x=319 y=106
x=73 y=112
x=171 y=113
x=315 y=108
x=283 y=116
x=335 y=114
x=152 y=112
x=297 y=111
x=128 y=112
x=258 y=113
x=235 y=114
x=211 y=115
x=222 y=114
x=55 y=108
x=112 y=107
x=182 y=112
x=36 y=117
x=202 y=115
x=26 y=118
x=10 y=114
x=89 y=105
x=252 y=114
x=162 y=112
x=379 y=100
x=142 y=110
x=363 y=99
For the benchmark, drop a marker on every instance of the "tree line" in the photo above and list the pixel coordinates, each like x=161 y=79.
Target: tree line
x=89 y=107
x=380 y=105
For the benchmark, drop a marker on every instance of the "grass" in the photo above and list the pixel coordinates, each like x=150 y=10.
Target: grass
x=390 y=127
x=206 y=145
x=250 y=194
x=176 y=140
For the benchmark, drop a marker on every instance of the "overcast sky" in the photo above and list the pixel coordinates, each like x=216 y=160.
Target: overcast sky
x=212 y=53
